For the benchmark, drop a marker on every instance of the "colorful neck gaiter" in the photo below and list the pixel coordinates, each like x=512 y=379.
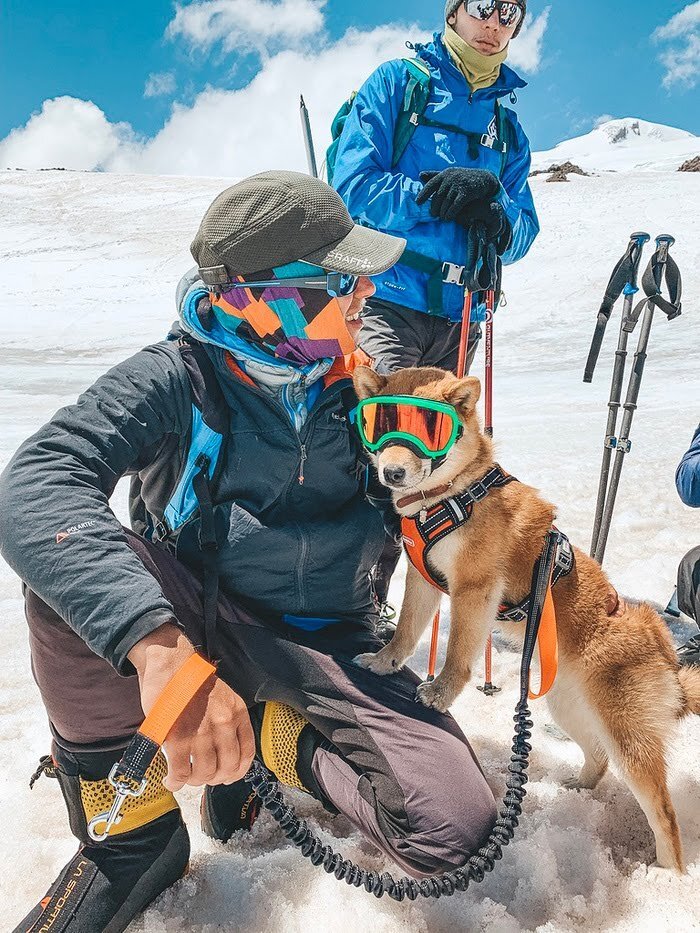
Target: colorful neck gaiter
x=296 y=325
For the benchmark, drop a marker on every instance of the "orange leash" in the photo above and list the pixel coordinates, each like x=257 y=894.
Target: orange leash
x=128 y=776
x=176 y=697
x=547 y=647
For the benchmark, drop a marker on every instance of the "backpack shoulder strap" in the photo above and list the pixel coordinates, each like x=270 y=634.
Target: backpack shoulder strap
x=506 y=133
x=415 y=100
x=209 y=426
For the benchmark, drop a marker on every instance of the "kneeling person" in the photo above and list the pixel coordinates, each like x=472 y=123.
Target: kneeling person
x=252 y=541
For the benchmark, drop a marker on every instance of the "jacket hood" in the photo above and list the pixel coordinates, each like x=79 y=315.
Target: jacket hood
x=437 y=56
x=196 y=319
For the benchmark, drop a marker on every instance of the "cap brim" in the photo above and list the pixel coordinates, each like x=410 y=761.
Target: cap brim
x=360 y=252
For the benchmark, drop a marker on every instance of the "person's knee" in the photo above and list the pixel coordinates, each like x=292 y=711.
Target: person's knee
x=689 y=584
x=449 y=820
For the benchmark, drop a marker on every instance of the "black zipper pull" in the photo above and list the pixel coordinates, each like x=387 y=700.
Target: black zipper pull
x=202 y=462
x=301 y=464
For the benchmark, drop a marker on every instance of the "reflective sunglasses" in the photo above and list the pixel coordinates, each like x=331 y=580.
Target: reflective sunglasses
x=432 y=427
x=509 y=13
x=337 y=284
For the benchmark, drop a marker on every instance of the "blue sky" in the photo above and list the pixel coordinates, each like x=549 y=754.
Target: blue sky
x=594 y=58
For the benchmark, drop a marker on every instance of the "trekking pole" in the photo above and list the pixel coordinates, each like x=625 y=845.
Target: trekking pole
x=489 y=689
x=308 y=138
x=661 y=267
x=627 y=268
x=461 y=369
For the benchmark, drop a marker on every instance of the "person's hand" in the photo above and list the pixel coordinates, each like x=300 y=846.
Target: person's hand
x=212 y=742
x=451 y=190
x=494 y=220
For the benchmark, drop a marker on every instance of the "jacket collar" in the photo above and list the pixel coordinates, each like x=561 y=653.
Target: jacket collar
x=437 y=56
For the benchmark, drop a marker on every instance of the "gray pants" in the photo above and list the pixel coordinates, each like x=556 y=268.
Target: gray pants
x=403 y=774
x=396 y=337
x=689 y=584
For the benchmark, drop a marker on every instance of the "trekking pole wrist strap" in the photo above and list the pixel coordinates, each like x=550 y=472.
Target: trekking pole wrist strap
x=128 y=776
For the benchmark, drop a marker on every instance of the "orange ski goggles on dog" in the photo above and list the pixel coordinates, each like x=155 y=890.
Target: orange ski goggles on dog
x=431 y=427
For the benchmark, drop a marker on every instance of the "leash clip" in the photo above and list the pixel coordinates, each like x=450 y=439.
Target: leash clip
x=124 y=788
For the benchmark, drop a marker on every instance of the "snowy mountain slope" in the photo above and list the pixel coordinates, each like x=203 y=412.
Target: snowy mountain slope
x=624 y=146
x=88 y=267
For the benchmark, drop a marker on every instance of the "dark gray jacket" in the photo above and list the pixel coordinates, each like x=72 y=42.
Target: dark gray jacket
x=285 y=546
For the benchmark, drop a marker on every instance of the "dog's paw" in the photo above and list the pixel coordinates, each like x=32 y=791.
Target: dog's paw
x=380 y=663
x=574 y=783
x=438 y=694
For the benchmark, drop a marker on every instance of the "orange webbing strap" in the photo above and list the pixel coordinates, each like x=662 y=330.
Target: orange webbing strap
x=547 y=647
x=432 y=659
x=176 y=697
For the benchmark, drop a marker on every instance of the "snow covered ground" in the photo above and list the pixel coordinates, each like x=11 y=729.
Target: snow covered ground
x=627 y=145
x=88 y=270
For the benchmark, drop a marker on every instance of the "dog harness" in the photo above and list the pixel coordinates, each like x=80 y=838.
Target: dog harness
x=421 y=532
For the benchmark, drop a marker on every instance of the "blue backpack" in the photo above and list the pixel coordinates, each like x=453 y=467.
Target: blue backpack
x=412 y=115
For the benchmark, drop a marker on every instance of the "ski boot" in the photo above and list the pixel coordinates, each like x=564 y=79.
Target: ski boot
x=689 y=653
x=107 y=884
x=286 y=744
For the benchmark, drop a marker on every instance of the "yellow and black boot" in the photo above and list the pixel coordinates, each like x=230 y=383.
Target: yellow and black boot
x=107 y=884
x=286 y=743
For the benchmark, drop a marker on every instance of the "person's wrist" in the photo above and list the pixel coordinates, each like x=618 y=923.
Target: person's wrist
x=164 y=649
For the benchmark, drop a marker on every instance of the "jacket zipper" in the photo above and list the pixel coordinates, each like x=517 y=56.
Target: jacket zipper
x=301 y=567
x=303 y=460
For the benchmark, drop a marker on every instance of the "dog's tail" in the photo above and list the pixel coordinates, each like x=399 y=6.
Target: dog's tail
x=689 y=678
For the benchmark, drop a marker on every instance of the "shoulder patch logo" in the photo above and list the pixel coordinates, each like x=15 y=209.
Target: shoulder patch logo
x=73 y=530
x=492 y=131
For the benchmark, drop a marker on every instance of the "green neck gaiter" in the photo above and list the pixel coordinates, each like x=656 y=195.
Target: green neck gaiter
x=480 y=70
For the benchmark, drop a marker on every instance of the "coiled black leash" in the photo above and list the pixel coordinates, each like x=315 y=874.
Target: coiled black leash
x=477 y=866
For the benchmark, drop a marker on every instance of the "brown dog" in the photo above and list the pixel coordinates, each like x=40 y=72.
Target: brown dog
x=619 y=690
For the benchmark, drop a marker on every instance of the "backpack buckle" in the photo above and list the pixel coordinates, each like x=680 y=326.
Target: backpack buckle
x=413 y=119
x=491 y=142
x=160 y=532
x=452 y=274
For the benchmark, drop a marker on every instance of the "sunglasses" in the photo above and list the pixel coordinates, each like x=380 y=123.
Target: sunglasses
x=509 y=13
x=431 y=427
x=337 y=284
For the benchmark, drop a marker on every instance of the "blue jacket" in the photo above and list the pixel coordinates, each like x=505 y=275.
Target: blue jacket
x=688 y=474
x=384 y=198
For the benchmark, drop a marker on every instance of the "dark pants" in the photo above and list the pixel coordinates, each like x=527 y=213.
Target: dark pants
x=689 y=584
x=396 y=337
x=403 y=774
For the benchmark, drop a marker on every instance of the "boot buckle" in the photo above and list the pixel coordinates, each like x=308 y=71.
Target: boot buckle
x=124 y=788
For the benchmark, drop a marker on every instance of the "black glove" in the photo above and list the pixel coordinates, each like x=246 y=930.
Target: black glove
x=493 y=217
x=451 y=190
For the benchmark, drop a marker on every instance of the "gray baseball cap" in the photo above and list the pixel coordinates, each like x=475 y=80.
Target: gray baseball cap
x=275 y=218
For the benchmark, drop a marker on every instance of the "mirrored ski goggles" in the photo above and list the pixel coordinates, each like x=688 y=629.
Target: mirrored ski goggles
x=337 y=284
x=432 y=427
x=509 y=13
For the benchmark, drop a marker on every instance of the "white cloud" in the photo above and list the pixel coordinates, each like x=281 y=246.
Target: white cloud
x=526 y=51
x=160 y=84
x=235 y=133
x=603 y=118
x=67 y=133
x=681 y=58
x=237 y=24
x=231 y=133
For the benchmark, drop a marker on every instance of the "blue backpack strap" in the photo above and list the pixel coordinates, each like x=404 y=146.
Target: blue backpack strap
x=209 y=426
x=415 y=100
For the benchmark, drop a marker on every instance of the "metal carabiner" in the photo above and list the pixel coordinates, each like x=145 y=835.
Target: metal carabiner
x=113 y=816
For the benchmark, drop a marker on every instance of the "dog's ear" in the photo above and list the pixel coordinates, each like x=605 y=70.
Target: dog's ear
x=367 y=382
x=464 y=393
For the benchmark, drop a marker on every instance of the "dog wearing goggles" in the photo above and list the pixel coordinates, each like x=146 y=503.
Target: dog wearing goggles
x=619 y=691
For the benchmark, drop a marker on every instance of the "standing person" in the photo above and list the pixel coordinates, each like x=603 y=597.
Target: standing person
x=246 y=470
x=427 y=176
x=426 y=164
x=688 y=485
